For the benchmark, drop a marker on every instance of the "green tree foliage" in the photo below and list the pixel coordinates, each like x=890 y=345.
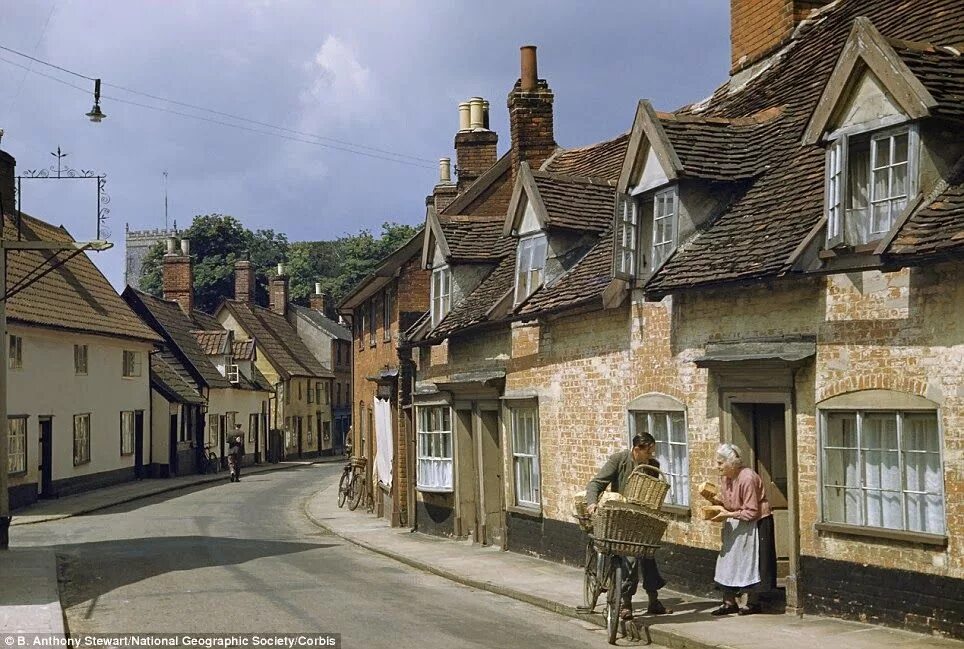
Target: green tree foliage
x=218 y=240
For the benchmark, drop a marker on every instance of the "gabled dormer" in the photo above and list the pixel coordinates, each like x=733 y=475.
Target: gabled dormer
x=887 y=141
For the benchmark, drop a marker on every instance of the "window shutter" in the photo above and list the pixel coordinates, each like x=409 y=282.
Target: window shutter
x=835 y=190
x=618 y=239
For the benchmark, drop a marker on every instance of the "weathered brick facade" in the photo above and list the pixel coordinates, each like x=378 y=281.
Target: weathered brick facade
x=758 y=27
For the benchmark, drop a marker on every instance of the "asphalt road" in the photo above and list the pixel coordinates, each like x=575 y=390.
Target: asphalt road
x=243 y=558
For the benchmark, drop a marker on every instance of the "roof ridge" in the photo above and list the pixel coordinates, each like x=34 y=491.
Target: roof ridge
x=924 y=47
x=572 y=178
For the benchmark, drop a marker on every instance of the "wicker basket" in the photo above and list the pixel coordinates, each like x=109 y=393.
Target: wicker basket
x=628 y=529
x=645 y=489
x=359 y=462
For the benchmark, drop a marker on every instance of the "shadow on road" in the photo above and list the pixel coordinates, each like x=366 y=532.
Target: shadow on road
x=89 y=570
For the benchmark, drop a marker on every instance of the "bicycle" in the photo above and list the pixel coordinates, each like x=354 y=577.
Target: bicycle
x=211 y=462
x=353 y=484
x=345 y=484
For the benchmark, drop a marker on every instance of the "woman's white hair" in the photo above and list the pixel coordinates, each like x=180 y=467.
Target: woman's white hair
x=729 y=454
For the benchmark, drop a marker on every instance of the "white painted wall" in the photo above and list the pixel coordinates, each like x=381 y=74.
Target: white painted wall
x=530 y=222
x=869 y=102
x=651 y=175
x=47 y=385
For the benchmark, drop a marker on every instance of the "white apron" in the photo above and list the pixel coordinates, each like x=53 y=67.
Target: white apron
x=738 y=565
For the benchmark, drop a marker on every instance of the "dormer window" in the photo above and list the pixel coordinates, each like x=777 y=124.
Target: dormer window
x=530 y=265
x=664 y=224
x=628 y=215
x=441 y=293
x=870 y=177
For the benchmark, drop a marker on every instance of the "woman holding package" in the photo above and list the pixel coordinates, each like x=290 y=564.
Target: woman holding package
x=748 y=558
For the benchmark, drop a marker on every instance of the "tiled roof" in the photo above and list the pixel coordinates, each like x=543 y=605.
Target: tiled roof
x=204 y=321
x=601 y=160
x=243 y=350
x=74 y=295
x=718 y=149
x=170 y=381
x=277 y=340
x=327 y=325
x=583 y=204
x=474 y=238
x=938 y=227
x=473 y=309
x=755 y=237
x=213 y=342
x=940 y=70
x=584 y=282
x=176 y=328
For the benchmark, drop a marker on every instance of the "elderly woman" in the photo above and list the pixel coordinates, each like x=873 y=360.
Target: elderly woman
x=747 y=560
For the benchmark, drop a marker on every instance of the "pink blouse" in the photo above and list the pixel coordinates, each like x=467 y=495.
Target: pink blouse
x=745 y=495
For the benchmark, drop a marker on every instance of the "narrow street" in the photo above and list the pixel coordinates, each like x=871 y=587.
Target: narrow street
x=244 y=558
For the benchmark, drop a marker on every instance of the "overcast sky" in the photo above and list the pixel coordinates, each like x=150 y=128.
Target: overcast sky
x=382 y=75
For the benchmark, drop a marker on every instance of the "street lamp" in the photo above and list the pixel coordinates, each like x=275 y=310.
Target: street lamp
x=96 y=114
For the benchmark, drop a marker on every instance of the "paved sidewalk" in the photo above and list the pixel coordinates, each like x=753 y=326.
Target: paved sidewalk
x=558 y=588
x=29 y=593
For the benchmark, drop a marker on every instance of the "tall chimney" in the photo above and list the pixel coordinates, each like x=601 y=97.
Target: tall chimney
x=244 y=281
x=178 y=274
x=318 y=301
x=7 y=183
x=530 y=115
x=445 y=191
x=760 y=27
x=475 y=144
x=278 y=292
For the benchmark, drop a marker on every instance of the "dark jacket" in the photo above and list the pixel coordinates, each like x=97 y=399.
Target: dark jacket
x=615 y=473
x=236 y=448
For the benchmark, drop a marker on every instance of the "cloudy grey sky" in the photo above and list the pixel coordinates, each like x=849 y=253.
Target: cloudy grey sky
x=383 y=75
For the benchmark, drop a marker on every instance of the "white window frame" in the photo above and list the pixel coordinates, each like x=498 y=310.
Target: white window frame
x=665 y=222
x=627 y=236
x=127 y=432
x=15 y=353
x=82 y=439
x=524 y=437
x=234 y=373
x=435 y=449
x=16 y=444
x=530 y=266
x=441 y=293
x=81 y=353
x=672 y=454
x=131 y=364
x=862 y=486
x=836 y=183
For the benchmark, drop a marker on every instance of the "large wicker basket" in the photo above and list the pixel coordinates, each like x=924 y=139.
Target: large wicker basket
x=360 y=462
x=645 y=489
x=627 y=529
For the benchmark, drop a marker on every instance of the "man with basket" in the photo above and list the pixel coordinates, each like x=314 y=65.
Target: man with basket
x=615 y=473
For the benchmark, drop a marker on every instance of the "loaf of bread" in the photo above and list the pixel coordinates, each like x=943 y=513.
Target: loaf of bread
x=709 y=491
x=710 y=511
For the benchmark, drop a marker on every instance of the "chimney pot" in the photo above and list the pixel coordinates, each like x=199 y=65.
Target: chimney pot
x=7 y=182
x=281 y=269
x=444 y=170
x=186 y=247
x=485 y=115
x=475 y=114
x=317 y=288
x=530 y=72
x=171 y=246
x=464 y=118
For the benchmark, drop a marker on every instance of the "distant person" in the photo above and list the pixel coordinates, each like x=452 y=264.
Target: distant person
x=235 y=453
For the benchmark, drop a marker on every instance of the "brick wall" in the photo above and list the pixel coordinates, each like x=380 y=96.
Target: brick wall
x=494 y=201
x=758 y=27
x=7 y=182
x=178 y=280
x=244 y=281
x=475 y=152
x=278 y=294
x=531 y=125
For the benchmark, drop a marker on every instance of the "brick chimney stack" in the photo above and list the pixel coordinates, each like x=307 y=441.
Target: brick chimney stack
x=178 y=274
x=445 y=191
x=7 y=183
x=278 y=292
x=475 y=144
x=244 y=281
x=760 y=27
x=530 y=115
x=318 y=301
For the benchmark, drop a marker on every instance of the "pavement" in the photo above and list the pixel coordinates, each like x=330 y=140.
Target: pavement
x=558 y=588
x=29 y=592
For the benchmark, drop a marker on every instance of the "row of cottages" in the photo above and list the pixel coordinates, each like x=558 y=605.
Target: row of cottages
x=302 y=403
x=778 y=265
x=203 y=382
x=78 y=396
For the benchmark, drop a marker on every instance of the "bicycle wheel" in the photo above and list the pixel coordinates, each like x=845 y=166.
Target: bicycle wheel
x=343 y=488
x=613 y=598
x=590 y=579
x=358 y=488
x=214 y=464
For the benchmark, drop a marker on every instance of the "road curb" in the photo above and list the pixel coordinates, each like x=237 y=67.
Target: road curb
x=664 y=637
x=164 y=490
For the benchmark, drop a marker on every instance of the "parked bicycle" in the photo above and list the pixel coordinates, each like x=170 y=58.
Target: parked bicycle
x=212 y=463
x=352 y=485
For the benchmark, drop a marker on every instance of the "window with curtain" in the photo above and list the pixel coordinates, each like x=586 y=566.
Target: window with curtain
x=525 y=456
x=530 y=265
x=81 y=439
x=16 y=445
x=441 y=293
x=869 y=180
x=435 y=468
x=669 y=431
x=665 y=215
x=882 y=469
x=127 y=433
x=627 y=235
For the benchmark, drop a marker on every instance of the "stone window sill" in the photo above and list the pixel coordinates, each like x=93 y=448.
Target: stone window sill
x=881 y=533
x=681 y=511
x=530 y=512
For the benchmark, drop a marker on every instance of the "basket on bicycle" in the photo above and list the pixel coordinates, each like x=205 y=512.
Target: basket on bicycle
x=645 y=489
x=359 y=462
x=627 y=529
